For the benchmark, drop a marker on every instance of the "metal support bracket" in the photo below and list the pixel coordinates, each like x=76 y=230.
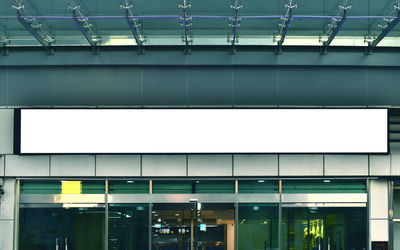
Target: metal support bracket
x=234 y=23
x=134 y=26
x=391 y=23
x=285 y=25
x=34 y=28
x=85 y=28
x=335 y=26
x=186 y=22
x=3 y=45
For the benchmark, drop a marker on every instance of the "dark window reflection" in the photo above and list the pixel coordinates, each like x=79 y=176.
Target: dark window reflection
x=128 y=226
x=61 y=228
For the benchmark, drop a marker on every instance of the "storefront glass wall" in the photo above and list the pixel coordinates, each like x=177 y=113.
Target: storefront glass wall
x=191 y=225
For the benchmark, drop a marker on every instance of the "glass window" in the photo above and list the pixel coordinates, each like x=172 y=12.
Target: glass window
x=172 y=187
x=215 y=187
x=258 y=187
x=324 y=228
x=63 y=187
x=49 y=228
x=258 y=226
x=128 y=187
x=128 y=226
x=40 y=187
x=324 y=186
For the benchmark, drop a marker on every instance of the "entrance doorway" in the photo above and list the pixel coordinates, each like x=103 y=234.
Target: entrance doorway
x=193 y=226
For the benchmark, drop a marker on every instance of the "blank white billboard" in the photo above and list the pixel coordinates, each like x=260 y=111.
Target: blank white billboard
x=71 y=131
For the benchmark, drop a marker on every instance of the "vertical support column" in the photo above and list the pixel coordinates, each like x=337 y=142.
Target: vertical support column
x=391 y=215
x=17 y=186
x=280 y=217
x=236 y=226
x=378 y=211
x=236 y=186
x=150 y=223
x=9 y=215
x=106 y=217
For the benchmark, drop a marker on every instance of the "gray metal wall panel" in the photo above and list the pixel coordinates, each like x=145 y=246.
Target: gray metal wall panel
x=118 y=165
x=346 y=165
x=200 y=85
x=379 y=199
x=2 y=161
x=7 y=200
x=165 y=86
x=72 y=165
x=301 y=165
x=118 y=86
x=6 y=234
x=20 y=166
x=304 y=83
x=210 y=86
x=164 y=165
x=255 y=165
x=255 y=86
x=383 y=86
x=210 y=165
x=52 y=86
x=3 y=86
x=344 y=86
x=379 y=165
x=6 y=131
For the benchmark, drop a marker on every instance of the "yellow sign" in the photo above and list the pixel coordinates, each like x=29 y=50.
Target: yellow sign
x=71 y=187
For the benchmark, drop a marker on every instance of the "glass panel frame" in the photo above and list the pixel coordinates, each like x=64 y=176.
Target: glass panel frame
x=149 y=181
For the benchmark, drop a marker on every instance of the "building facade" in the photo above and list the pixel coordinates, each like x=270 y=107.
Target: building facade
x=199 y=201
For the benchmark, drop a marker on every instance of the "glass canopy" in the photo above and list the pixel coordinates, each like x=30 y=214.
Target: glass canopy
x=199 y=22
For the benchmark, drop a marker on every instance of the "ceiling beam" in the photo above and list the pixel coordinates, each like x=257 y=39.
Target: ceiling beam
x=391 y=23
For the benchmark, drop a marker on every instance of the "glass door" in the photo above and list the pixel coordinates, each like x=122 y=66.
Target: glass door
x=194 y=226
x=173 y=226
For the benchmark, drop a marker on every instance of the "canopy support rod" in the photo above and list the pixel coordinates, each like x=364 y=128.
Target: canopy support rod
x=34 y=27
x=285 y=25
x=3 y=45
x=391 y=23
x=133 y=25
x=86 y=28
x=186 y=23
x=234 y=24
x=335 y=26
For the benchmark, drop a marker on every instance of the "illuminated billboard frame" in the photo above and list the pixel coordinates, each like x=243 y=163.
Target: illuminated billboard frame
x=242 y=130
